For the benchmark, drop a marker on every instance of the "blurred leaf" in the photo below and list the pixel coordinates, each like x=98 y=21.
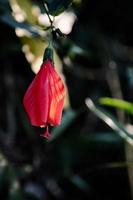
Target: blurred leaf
x=57 y=6
x=8 y=19
x=106 y=139
x=92 y=148
x=79 y=182
x=110 y=121
x=91 y=141
x=26 y=6
x=130 y=75
x=117 y=103
x=33 y=50
x=115 y=165
x=68 y=117
x=107 y=166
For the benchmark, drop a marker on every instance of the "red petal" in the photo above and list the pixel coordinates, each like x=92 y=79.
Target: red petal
x=36 y=99
x=57 y=94
x=44 y=98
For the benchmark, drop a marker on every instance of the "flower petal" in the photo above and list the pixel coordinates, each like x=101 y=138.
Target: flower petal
x=36 y=99
x=57 y=94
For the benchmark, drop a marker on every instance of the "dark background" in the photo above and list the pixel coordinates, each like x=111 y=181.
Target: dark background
x=86 y=159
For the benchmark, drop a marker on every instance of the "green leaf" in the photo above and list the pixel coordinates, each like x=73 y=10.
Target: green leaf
x=110 y=121
x=57 y=6
x=117 y=103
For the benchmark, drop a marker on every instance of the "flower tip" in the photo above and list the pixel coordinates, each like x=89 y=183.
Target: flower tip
x=46 y=134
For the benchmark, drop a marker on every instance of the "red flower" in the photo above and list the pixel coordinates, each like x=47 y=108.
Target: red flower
x=44 y=99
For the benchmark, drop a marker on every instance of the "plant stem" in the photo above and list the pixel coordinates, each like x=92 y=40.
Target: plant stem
x=47 y=12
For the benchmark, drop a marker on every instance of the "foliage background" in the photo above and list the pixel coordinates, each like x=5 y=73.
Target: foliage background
x=90 y=155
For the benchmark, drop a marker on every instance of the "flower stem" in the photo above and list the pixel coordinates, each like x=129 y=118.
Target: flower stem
x=47 y=12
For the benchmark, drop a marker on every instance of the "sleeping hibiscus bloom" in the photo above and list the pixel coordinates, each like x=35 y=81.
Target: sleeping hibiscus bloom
x=44 y=98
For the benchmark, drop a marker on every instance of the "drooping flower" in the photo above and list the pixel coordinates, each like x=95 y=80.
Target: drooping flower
x=44 y=99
